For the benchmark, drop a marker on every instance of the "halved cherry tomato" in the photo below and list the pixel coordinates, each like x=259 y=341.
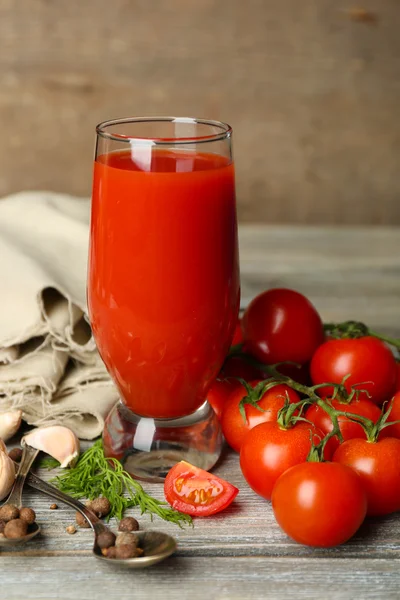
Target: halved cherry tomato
x=319 y=503
x=282 y=325
x=348 y=428
x=369 y=363
x=196 y=492
x=220 y=392
x=234 y=427
x=268 y=450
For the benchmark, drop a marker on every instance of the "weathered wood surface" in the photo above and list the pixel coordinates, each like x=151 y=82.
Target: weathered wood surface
x=242 y=553
x=311 y=91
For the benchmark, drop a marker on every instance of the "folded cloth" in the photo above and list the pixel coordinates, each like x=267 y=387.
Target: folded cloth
x=83 y=399
x=49 y=366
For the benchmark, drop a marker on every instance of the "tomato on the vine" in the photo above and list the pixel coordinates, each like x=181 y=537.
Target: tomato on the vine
x=239 y=366
x=394 y=415
x=269 y=450
x=282 y=325
x=319 y=503
x=299 y=373
x=234 y=427
x=219 y=393
x=367 y=361
x=378 y=465
x=349 y=429
x=238 y=335
x=397 y=377
x=196 y=492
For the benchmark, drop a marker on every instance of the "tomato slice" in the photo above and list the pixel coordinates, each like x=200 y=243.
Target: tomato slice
x=196 y=492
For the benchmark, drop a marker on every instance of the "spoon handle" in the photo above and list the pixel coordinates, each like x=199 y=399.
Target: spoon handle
x=28 y=456
x=42 y=486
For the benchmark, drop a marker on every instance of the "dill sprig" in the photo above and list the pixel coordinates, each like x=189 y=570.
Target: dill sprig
x=95 y=475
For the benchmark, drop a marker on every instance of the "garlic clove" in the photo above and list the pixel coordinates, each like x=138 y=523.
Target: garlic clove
x=7 y=474
x=58 y=441
x=10 y=422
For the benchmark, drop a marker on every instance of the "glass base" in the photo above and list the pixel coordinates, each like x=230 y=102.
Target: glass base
x=148 y=448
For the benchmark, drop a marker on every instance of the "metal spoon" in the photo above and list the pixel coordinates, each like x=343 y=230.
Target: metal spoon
x=28 y=456
x=156 y=545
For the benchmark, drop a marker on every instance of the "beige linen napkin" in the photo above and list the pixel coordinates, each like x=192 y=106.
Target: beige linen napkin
x=49 y=365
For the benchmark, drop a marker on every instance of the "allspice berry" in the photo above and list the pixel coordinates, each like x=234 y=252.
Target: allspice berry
x=81 y=521
x=110 y=552
x=15 y=454
x=126 y=551
x=106 y=539
x=128 y=524
x=71 y=529
x=127 y=539
x=8 y=512
x=28 y=515
x=16 y=528
x=100 y=506
x=2 y=526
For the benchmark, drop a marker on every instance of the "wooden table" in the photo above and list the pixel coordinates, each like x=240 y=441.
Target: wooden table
x=242 y=553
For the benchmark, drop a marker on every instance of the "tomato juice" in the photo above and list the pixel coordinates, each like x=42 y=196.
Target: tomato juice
x=163 y=286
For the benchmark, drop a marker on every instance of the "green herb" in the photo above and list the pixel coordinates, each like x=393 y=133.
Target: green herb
x=95 y=475
x=49 y=463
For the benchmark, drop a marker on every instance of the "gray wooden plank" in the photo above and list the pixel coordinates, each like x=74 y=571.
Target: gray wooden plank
x=347 y=272
x=242 y=553
x=247 y=528
x=66 y=578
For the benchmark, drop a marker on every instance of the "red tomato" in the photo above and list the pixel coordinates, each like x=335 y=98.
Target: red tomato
x=393 y=430
x=238 y=335
x=233 y=425
x=219 y=393
x=300 y=374
x=196 y=492
x=238 y=366
x=368 y=361
x=268 y=451
x=348 y=428
x=397 y=377
x=282 y=325
x=378 y=465
x=319 y=503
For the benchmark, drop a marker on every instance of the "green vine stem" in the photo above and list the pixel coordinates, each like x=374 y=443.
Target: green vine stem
x=287 y=416
x=356 y=329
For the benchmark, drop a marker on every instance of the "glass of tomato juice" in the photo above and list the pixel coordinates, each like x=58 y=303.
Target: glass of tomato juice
x=163 y=284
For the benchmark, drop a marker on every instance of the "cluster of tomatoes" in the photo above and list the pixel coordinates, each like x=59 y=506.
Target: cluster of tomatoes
x=309 y=407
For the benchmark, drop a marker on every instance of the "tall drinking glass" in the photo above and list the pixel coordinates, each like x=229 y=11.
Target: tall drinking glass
x=163 y=284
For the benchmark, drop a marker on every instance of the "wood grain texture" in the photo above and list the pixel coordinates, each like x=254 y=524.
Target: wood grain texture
x=242 y=553
x=311 y=91
x=349 y=273
x=194 y=579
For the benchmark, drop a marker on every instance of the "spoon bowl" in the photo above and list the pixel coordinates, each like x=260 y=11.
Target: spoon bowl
x=156 y=545
x=28 y=456
x=33 y=530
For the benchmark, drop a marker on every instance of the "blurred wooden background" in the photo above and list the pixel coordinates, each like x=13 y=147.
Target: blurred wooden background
x=311 y=88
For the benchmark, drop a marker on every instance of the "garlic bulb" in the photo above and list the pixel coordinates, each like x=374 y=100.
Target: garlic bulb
x=58 y=441
x=7 y=474
x=10 y=422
